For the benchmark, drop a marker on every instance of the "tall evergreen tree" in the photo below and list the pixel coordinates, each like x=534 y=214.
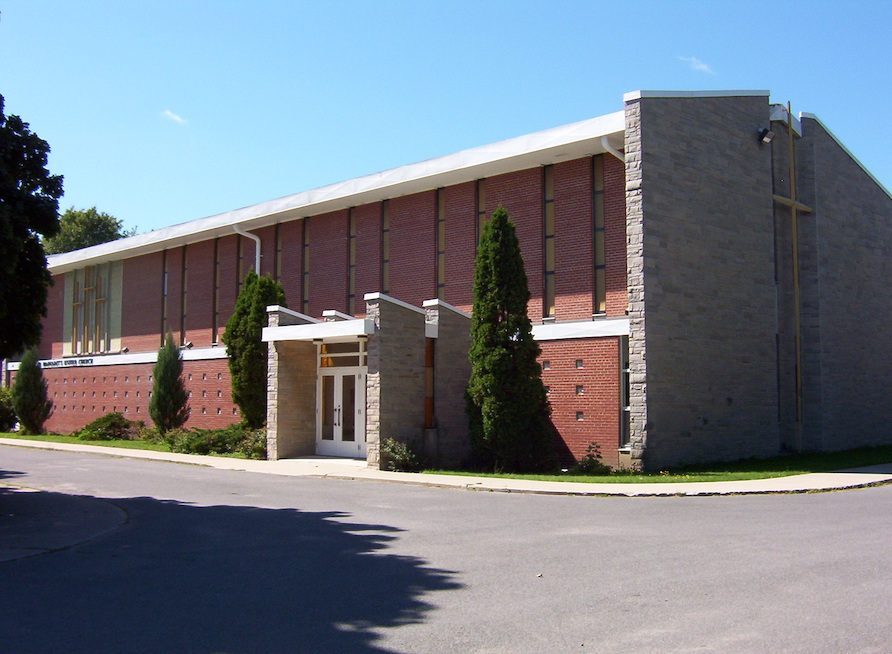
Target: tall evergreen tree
x=29 y=395
x=169 y=406
x=247 y=353
x=507 y=406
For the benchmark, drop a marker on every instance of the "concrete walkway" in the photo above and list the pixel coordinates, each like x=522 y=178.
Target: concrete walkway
x=328 y=467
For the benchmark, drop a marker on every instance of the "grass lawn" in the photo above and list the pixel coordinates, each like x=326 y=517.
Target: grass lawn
x=779 y=466
x=58 y=438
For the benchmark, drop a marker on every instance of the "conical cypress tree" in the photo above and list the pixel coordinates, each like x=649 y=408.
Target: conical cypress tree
x=169 y=406
x=247 y=353
x=29 y=395
x=507 y=405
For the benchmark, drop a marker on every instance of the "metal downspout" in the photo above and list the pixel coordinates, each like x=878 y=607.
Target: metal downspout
x=256 y=239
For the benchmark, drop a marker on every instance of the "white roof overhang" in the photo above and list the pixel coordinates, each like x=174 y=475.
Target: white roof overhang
x=540 y=148
x=330 y=332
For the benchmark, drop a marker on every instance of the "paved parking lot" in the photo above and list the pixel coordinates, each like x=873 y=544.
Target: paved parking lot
x=191 y=559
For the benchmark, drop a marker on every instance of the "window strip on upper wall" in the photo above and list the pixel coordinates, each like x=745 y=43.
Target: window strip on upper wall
x=599 y=300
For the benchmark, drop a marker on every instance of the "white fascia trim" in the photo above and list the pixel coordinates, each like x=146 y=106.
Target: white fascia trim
x=325 y=331
x=440 y=304
x=87 y=361
x=549 y=146
x=779 y=114
x=332 y=313
x=636 y=95
x=274 y=308
x=846 y=150
x=383 y=297
x=583 y=329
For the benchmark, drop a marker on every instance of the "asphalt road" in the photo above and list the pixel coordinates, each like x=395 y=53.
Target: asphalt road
x=191 y=559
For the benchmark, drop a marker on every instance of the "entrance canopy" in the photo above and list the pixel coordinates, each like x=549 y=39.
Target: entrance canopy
x=325 y=331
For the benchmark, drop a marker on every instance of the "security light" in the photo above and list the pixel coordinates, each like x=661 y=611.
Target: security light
x=766 y=136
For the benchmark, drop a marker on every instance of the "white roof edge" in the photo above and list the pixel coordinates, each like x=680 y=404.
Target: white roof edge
x=321 y=330
x=416 y=177
x=845 y=149
x=278 y=307
x=582 y=329
x=636 y=95
x=371 y=297
x=440 y=303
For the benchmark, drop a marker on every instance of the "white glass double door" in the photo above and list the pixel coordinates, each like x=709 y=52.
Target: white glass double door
x=340 y=412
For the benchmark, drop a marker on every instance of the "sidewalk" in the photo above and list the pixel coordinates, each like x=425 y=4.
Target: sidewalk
x=327 y=467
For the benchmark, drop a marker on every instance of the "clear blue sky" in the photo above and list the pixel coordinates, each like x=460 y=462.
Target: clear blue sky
x=165 y=111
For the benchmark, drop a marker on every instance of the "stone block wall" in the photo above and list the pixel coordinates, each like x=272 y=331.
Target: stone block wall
x=700 y=222
x=291 y=394
x=451 y=372
x=853 y=238
x=395 y=379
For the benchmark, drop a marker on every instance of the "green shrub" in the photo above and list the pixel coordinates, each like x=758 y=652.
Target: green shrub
x=7 y=411
x=169 y=406
x=397 y=456
x=591 y=463
x=234 y=439
x=29 y=395
x=110 y=427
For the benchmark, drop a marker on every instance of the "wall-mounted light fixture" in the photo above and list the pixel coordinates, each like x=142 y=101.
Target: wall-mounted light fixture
x=125 y=350
x=766 y=136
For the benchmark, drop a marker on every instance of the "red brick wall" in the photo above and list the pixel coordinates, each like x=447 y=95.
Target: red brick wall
x=200 y=293
x=291 y=234
x=573 y=236
x=599 y=402
x=413 y=254
x=51 y=337
x=141 y=304
x=328 y=262
x=368 y=252
x=521 y=194
x=461 y=218
x=80 y=395
x=616 y=272
x=267 y=251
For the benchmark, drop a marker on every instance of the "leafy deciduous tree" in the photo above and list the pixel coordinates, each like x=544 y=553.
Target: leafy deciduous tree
x=81 y=228
x=507 y=406
x=29 y=394
x=247 y=353
x=169 y=406
x=29 y=207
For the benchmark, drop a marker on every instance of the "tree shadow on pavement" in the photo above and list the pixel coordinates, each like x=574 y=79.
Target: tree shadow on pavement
x=182 y=578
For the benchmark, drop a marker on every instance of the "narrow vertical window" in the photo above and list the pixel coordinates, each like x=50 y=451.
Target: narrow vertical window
x=548 y=238
x=77 y=312
x=429 y=379
x=215 y=299
x=239 y=269
x=441 y=244
x=351 y=261
x=600 y=285
x=100 y=309
x=481 y=208
x=89 y=310
x=625 y=390
x=305 y=276
x=277 y=265
x=163 y=295
x=385 y=246
x=184 y=289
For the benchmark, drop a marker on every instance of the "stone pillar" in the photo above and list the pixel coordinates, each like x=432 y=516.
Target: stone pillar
x=291 y=392
x=395 y=379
